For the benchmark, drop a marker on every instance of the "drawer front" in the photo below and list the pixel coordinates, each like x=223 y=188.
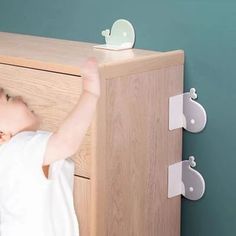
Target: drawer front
x=52 y=96
x=82 y=204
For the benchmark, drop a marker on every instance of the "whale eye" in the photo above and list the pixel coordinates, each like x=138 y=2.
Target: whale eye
x=7 y=96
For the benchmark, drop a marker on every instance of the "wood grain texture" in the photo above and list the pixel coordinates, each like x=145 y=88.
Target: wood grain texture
x=52 y=96
x=82 y=203
x=130 y=175
x=67 y=56
x=97 y=160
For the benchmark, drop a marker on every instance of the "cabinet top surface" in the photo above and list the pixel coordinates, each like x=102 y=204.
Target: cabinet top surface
x=64 y=55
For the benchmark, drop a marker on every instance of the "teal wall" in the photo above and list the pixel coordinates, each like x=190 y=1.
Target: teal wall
x=206 y=31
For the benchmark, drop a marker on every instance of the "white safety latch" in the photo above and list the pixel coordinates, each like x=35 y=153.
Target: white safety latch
x=186 y=113
x=183 y=179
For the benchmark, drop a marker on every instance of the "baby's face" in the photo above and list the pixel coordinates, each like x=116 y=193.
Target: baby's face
x=15 y=115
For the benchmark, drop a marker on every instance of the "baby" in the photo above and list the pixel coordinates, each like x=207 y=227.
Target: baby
x=30 y=203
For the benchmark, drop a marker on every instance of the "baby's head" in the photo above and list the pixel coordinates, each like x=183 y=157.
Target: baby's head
x=15 y=116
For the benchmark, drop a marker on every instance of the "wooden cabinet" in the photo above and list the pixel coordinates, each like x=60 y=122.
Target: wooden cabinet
x=82 y=202
x=121 y=167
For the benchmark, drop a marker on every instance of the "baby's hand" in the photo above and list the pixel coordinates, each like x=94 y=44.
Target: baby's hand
x=90 y=76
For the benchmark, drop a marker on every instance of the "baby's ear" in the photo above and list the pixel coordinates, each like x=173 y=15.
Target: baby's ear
x=4 y=137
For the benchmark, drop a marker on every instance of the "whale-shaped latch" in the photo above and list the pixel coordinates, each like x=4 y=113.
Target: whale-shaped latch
x=183 y=179
x=120 y=37
x=186 y=113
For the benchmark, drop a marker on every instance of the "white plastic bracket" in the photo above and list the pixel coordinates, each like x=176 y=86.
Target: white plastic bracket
x=186 y=113
x=183 y=179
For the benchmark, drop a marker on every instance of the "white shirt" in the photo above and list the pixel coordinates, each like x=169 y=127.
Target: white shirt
x=31 y=204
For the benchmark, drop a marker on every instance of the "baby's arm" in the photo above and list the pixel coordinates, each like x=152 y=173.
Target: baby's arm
x=66 y=141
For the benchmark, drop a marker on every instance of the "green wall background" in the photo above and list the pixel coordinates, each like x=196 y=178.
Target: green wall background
x=206 y=31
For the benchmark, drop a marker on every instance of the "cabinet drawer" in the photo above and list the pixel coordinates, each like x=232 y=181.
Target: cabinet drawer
x=52 y=96
x=82 y=204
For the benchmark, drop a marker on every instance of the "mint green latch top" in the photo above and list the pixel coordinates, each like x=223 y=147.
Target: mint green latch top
x=120 y=37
